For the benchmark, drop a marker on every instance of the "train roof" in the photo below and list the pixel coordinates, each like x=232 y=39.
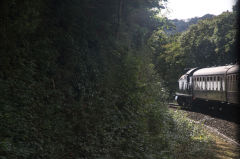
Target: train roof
x=216 y=70
x=234 y=69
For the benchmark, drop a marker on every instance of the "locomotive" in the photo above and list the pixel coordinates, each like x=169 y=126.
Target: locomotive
x=212 y=85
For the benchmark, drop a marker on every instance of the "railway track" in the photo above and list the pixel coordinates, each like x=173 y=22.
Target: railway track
x=173 y=105
x=227 y=130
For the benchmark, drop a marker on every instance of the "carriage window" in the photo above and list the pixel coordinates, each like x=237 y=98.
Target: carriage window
x=218 y=83
x=234 y=86
x=229 y=82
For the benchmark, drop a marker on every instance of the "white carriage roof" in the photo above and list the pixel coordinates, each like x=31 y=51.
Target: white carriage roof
x=213 y=70
x=234 y=69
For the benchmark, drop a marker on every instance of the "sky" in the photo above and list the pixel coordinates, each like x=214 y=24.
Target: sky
x=184 y=9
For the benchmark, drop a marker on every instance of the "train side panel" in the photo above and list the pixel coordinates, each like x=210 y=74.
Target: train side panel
x=209 y=87
x=210 y=95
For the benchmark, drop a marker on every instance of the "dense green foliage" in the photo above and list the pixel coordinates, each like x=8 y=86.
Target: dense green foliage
x=210 y=42
x=70 y=80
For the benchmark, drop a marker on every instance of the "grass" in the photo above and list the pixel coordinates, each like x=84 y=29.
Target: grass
x=192 y=140
x=223 y=149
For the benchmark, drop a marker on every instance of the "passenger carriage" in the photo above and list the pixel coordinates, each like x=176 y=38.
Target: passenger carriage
x=219 y=84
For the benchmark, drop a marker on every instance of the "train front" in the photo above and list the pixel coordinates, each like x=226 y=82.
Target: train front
x=184 y=93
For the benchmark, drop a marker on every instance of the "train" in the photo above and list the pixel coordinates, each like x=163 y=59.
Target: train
x=210 y=85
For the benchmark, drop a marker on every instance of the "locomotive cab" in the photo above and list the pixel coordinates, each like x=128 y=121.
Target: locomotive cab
x=185 y=87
